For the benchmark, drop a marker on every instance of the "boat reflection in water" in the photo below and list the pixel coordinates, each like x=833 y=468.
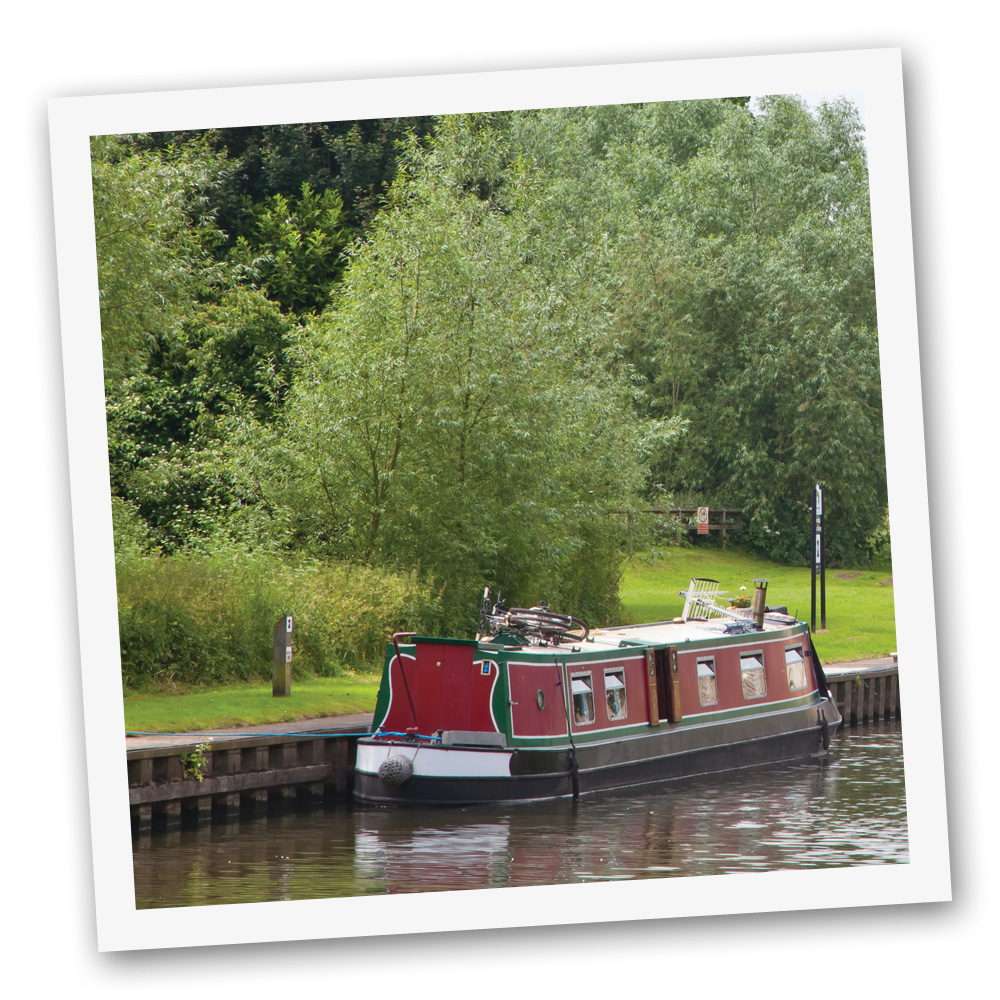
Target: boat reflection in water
x=449 y=857
x=799 y=815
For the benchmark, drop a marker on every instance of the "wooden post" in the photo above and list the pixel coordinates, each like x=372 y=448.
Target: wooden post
x=313 y=753
x=281 y=685
x=651 y=692
x=228 y=805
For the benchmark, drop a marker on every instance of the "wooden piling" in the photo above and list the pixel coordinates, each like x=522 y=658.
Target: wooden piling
x=866 y=694
x=244 y=777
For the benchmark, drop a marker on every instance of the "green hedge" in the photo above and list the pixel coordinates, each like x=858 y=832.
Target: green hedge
x=197 y=618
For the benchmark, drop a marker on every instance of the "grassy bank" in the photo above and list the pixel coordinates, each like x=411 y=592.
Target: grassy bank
x=859 y=613
x=248 y=704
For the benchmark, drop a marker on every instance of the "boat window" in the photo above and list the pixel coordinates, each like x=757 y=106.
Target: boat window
x=708 y=693
x=583 y=699
x=752 y=675
x=614 y=688
x=795 y=668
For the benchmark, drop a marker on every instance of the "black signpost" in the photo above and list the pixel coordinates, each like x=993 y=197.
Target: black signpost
x=281 y=684
x=818 y=560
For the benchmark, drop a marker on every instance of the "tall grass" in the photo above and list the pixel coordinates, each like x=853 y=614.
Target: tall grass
x=208 y=618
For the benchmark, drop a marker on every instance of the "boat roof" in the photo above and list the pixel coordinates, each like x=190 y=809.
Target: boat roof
x=675 y=632
x=678 y=630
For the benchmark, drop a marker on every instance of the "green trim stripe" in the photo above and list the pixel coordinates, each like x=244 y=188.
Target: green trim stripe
x=611 y=733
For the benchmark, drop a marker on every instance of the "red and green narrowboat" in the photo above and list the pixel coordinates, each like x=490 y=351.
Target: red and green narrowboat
x=538 y=706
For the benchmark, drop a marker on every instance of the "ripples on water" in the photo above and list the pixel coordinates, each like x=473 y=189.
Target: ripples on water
x=847 y=810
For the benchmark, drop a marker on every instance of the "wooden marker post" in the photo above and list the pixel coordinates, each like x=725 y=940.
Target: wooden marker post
x=281 y=685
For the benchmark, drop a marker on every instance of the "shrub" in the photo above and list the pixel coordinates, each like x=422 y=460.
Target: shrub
x=880 y=544
x=207 y=618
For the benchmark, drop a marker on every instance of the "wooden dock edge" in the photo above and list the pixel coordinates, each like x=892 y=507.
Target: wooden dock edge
x=241 y=778
x=867 y=693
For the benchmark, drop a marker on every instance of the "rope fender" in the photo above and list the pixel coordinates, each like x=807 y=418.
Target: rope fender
x=395 y=770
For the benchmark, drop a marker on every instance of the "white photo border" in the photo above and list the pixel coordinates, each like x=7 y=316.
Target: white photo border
x=875 y=75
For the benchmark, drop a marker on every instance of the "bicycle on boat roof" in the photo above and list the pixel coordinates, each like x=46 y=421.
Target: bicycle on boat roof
x=533 y=626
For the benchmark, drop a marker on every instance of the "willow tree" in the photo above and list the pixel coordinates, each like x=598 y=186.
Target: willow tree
x=451 y=410
x=777 y=221
x=739 y=285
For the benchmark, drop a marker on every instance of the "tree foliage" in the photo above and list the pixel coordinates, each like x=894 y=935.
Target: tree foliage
x=450 y=411
x=469 y=346
x=172 y=429
x=776 y=211
x=293 y=249
x=154 y=233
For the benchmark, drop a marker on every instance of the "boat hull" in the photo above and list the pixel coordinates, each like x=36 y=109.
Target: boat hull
x=441 y=775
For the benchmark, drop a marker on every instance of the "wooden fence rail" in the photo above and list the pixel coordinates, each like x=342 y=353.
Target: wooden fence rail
x=720 y=519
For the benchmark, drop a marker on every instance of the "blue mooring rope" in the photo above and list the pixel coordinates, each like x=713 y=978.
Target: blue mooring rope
x=306 y=736
x=407 y=736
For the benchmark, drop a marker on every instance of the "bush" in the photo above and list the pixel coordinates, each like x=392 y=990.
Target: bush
x=195 y=618
x=880 y=543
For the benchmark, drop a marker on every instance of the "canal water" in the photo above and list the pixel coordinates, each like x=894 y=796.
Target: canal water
x=847 y=810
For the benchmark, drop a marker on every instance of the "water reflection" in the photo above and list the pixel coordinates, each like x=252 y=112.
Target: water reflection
x=848 y=810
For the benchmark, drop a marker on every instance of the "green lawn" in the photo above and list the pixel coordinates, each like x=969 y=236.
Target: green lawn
x=859 y=614
x=250 y=704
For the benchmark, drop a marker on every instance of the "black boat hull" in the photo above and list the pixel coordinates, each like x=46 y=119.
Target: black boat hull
x=467 y=776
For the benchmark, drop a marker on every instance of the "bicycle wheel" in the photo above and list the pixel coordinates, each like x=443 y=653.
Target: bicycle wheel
x=578 y=629
x=548 y=625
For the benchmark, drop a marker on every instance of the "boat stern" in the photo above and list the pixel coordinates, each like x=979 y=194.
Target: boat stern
x=454 y=768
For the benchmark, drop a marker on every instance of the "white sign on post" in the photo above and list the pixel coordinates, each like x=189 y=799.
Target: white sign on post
x=818 y=525
x=702 y=520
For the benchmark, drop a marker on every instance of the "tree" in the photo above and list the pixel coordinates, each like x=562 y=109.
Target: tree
x=173 y=429
x=739 y=279
x=154 y=235
x=548 y=318
x=449 y=411
x=777 y=219
x=356 y=159
x=293 y=249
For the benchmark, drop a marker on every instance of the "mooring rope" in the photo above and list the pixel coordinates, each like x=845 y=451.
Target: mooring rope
x=407 y=736
x=314 y=734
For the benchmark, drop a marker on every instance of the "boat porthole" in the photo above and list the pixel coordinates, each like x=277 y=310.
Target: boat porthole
x=540 y=698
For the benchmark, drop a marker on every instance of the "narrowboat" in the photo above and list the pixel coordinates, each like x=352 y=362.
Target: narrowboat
x=539 y=706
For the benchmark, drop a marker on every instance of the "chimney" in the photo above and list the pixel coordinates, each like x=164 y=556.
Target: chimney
x=759 y=603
